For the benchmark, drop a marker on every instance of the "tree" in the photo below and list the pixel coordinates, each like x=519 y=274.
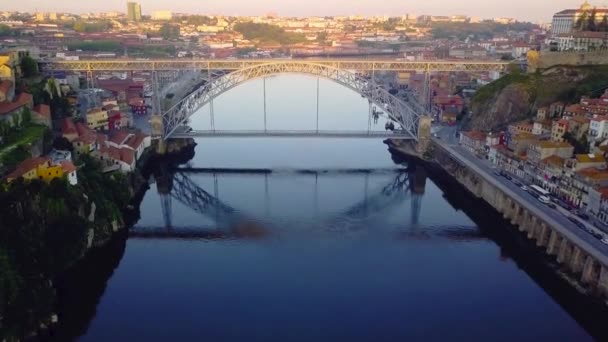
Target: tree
x=169 y=31
x=5 y=128
x=26 y=116
x=29 y=67
x=603 y=26
x=63 y=144
x=16 y=120
x=5 y=31
x=591 y=24
x=322 y=36
x=581 y=22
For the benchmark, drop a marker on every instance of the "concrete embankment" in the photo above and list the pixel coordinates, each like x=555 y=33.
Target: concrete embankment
x=580 y=260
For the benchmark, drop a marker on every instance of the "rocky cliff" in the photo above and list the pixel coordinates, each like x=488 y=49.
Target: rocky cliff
x=517 y=96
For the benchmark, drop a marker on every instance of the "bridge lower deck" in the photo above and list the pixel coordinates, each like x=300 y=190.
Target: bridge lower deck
x=292 y=133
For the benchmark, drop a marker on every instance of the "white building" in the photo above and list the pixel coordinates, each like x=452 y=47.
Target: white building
x=598 y=128
x=520 y=49
x=70 y=171
x=564 y=21
x=598 y=204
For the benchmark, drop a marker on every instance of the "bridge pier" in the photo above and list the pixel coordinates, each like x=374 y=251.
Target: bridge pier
x=565 y=250
x=424 y=134
x=577 y=260
x=590 y=273
x=554 y=243
x=603 y=285
x=543 y=236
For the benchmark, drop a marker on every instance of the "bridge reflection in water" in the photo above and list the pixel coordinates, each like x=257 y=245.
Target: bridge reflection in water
x=226 y=221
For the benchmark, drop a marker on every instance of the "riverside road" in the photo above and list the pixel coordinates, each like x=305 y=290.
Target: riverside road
x=551 y=216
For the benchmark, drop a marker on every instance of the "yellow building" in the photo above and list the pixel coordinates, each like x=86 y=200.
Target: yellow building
x=28 y=169
x=48 y=172
x=6 y=71
x=97 y=119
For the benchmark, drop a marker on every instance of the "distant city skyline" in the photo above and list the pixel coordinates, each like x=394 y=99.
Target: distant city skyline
x=520 y=9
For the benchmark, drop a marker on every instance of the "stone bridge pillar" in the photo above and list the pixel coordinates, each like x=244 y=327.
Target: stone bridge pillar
x=518 y=213
x=565 y=250
x=507 y=209
x=577 y=260
x=554 y=243
x=603 y=286
x=543 y=235
x=158 y=132
x=590 y=276
x=533 y=229
x=424 y=134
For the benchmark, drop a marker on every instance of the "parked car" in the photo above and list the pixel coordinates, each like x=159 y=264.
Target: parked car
x=525 y=188
x=551 y=205
x=508 y=177
x=544 y=199
x=582 y=215
x=517 y=183
x=605 y=241
x=576 y=222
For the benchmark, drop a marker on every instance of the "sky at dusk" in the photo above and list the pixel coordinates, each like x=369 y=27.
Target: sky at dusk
x=532 y=10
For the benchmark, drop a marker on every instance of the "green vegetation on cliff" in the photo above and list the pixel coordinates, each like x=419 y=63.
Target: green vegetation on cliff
x=517 y=96
x=45 y=228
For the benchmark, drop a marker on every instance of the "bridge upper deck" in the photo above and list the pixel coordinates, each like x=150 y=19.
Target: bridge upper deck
x=236 y=64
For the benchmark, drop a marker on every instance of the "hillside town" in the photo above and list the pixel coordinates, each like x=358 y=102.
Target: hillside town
x=563 y=150
x=103 y=120
x=127 y=152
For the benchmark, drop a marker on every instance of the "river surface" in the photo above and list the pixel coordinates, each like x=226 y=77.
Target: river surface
x=323 y=254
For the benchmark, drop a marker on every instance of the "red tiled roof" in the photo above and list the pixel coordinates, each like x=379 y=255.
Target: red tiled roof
x=114 y=114
x=25 y=98
x=83 y=130
x=126 y=155
x=122 y=154
x=26 y=166
x=135 y=141
x=136 y=101
x=119 y=85
x=7 y=107
x=21 y=100
x=475 y=135
x=604 y=192
x=5 y=86
x=118 y=137
x=68 y=127
x=554 y=160
x=43 y=110
x=68 y=166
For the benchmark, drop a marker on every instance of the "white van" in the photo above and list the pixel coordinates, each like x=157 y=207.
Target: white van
x=544 y=199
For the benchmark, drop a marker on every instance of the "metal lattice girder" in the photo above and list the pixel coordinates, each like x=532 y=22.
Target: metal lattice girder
x=404 y=114
x=219 y=64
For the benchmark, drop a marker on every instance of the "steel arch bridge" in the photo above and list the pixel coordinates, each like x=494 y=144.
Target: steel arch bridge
x=404 y=114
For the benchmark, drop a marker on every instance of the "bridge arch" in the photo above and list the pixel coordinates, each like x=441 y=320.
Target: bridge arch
x=405 y=114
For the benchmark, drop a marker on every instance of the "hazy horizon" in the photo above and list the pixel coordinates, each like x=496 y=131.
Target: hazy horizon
x=519 y=9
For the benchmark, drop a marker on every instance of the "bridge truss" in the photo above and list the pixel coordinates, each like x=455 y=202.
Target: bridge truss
x=237 y=64
x=396 y=109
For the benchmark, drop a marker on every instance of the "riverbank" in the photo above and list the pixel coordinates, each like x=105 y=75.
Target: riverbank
x=585 y=306
x=47 y=229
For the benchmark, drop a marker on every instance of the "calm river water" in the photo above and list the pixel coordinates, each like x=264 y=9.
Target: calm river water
x=314 y=256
